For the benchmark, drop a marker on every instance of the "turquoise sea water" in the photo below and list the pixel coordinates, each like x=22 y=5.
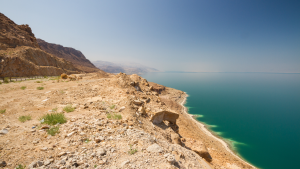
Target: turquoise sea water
x=258 y=112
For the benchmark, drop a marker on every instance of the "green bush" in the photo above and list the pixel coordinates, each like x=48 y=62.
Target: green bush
x=132 y=151
x=38 y=82
x=40 y=88
x=112 y=106
x=21 y=166
x=114 y=116
x=2 y=111
x=23 y=87
x=69 y=108
x=24 y=118
x=6 y=80
x=53 y=130
x=53 y=118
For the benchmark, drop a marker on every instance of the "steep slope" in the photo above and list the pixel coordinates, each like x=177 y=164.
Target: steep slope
x=128 y=68
x=70 y=54
x=20 y=54
x=13 y=35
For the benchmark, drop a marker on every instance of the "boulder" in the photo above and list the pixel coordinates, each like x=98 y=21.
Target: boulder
x=159 y=117
x=198 y=147
x=137 y=102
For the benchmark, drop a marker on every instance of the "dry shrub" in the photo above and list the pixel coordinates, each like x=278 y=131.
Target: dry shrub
x=64 y=76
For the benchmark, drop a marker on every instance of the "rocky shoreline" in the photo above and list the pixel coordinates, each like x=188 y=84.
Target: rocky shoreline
x=209 y=133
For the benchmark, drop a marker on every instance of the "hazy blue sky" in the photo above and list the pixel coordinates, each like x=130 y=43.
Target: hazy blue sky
x=184 y=35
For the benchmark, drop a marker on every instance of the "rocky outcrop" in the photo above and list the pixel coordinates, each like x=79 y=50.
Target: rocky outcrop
x=13 y=35
x=198 y=147
x=20 y=54
x=28 y=61
x=159 y=117
x=70 y=54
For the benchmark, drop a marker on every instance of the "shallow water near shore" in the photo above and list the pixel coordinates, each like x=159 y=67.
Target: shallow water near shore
x=258 y=113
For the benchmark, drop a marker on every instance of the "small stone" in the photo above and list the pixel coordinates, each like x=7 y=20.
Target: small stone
x=70 y=134
x=171 y=159
x=62 y=154
x=98 y=139
x=45 y=127
x=101 y=151
x=40 y=163
x=2 y=163
x=155 y=148
x=33 y=165
x=4 y=131
x=44 y=149
x=62 y=162
x=121 y=108
x=47 y=162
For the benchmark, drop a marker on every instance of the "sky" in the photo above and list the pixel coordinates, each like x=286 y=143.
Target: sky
x=171 y=35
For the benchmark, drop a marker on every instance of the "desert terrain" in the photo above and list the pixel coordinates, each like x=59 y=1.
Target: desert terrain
x=111 y=121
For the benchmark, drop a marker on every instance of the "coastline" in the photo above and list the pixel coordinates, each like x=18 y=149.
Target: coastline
x=209 y=133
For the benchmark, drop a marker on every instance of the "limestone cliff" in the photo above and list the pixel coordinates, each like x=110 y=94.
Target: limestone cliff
x=70 y=54
x=20 y=54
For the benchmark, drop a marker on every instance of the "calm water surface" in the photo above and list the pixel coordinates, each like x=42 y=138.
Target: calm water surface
x=258 y=113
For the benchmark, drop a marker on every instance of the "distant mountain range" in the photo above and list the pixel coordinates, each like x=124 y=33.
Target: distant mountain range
x=70 y=54
x=128 y=68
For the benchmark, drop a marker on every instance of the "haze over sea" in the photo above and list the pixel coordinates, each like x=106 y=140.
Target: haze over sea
x=258 y=113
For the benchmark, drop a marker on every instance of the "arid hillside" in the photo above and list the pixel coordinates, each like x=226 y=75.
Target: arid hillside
x=20 y=54
x=70 y=54
x=13 y=35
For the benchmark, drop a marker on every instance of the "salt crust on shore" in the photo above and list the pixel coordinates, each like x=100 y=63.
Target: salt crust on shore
x=207 y=132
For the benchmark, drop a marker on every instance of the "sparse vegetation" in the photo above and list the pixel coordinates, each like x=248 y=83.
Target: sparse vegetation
x=53 y=118
x=114 y=116
x=23 y=87
x=6 y=80
x=132 y=151
x=112 y=106
x=62 y=92
x=53 y=130
x=95 y=166
x=55 y=78
x=40 y=88
x=20 y=166
x=38 y=82
x=2 y=111
x=0 y=83
x=24 y=118
x=69 y=108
